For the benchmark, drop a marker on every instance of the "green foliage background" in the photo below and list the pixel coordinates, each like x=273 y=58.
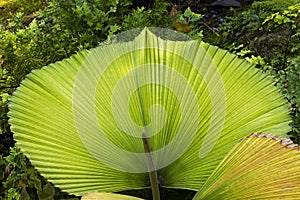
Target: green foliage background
x=38 y=33
x=268 y=34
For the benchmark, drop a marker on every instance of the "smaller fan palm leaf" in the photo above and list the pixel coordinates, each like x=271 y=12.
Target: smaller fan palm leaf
x=261 y=166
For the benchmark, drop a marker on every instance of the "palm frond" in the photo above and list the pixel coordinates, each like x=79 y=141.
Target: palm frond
x=81 y=120
x=261 y=166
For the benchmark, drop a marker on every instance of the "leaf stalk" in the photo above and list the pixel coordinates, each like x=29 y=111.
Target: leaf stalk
x=151 y=169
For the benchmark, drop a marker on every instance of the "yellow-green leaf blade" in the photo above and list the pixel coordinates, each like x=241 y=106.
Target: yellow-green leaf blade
x=107 y=196
x=80 y=121
x=261 y=166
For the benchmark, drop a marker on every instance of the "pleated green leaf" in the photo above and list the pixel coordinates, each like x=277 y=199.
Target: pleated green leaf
x=81 y=120
x=261 y=166
x=107 y=196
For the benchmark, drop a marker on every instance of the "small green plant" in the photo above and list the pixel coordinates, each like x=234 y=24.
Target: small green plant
x=23 y=181
x=188 y=22
x=288 y=81
x=5 y=91
x=9 y=8
x=286 y=23
x=264 y=8
x=271 y=35
x=140 y=17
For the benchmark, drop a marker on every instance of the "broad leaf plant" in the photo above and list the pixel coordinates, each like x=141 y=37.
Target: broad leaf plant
x=156 y=109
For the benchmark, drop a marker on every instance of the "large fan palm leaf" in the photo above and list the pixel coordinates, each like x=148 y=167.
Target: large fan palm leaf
x=81 y=120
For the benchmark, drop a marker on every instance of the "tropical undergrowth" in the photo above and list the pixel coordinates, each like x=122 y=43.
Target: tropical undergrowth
x=268 y=34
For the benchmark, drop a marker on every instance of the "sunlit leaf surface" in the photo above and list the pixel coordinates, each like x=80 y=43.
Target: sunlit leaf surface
x=261 y=166
x=80 y=121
